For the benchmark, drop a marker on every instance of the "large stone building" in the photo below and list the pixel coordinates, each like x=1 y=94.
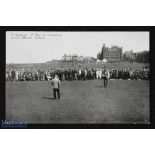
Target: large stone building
x=113 y=53
x=142 y=56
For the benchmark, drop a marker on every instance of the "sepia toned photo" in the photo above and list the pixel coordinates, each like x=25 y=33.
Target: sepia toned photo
x=84 y=77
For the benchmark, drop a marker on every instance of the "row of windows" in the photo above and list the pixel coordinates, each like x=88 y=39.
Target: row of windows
x=113 y=59
x=112 y=55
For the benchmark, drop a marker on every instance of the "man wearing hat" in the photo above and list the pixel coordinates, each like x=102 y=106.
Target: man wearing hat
x=56 y=86
x=105 y=74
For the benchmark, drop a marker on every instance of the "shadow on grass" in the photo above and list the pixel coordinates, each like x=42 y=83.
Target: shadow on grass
x=48 y=98
x=100 y=86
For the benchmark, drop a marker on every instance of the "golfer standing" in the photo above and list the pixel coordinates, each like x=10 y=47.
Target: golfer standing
x=56 y=86
x=105 y=74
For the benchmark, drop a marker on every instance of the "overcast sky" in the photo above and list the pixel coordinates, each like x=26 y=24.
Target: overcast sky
x=35 y=47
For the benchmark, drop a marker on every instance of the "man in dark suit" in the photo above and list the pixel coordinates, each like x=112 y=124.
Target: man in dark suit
x=105 y=76
x=56 y=86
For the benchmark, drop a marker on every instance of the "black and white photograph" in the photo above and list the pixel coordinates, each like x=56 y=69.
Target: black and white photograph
x=78 y=77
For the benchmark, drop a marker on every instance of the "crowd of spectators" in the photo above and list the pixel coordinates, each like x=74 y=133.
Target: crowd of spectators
x=122 y=71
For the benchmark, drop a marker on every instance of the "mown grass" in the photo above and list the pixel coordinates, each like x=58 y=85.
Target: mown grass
x=81 y=102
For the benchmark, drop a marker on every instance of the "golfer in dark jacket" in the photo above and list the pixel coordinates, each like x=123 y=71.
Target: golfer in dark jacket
x=56 y=86
x=105 y=76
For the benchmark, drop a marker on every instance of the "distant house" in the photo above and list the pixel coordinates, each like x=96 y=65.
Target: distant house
x=70 y=57
x=128 y=55
x=142 y=56
x=113 y=53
